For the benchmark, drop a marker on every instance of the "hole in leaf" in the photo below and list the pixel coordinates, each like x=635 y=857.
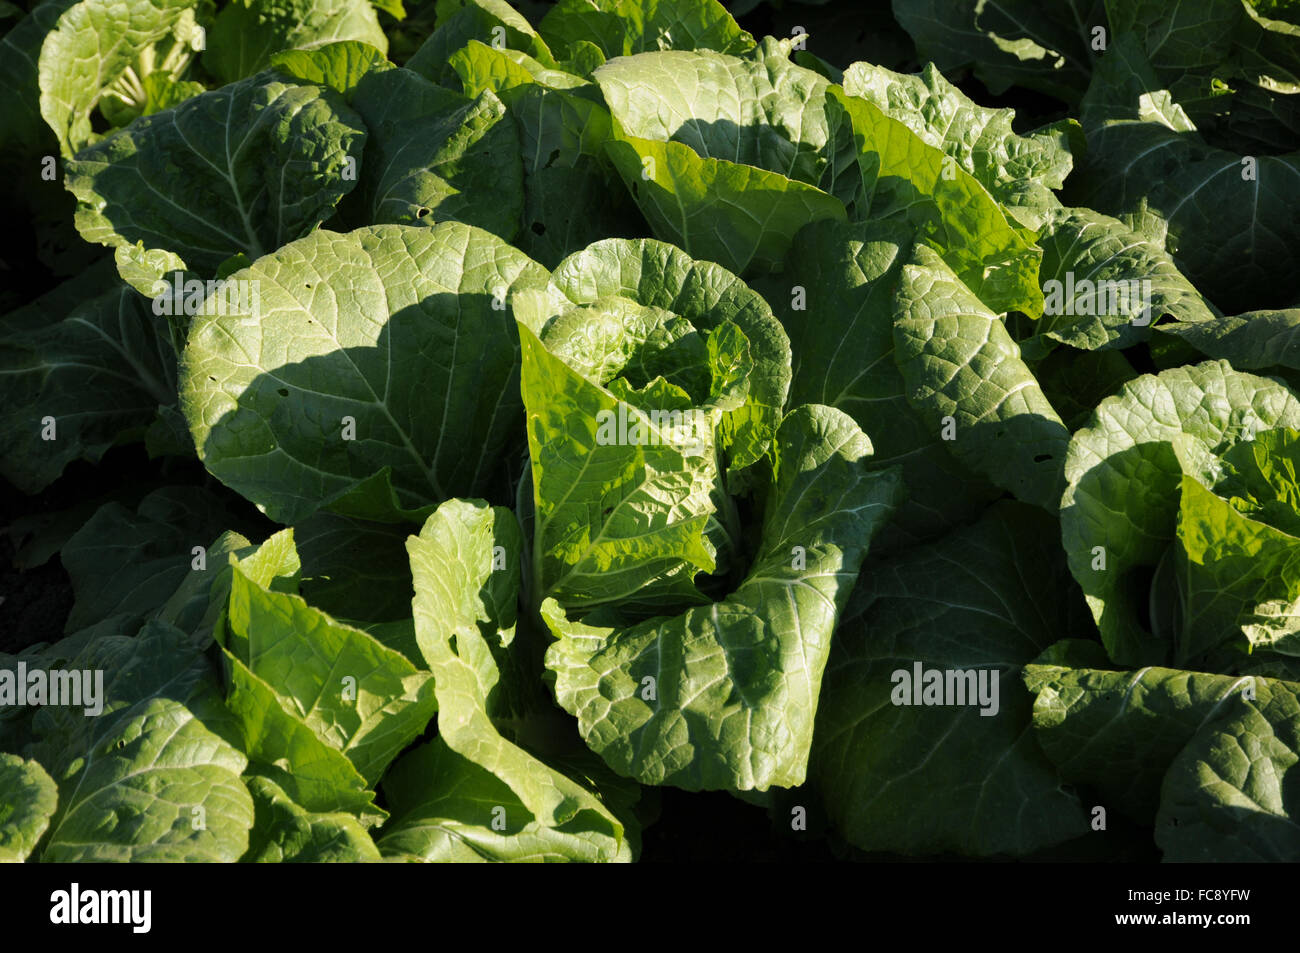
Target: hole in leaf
x=1042 y=458
x=539 y=228
x=282 y=392
x=420 y=213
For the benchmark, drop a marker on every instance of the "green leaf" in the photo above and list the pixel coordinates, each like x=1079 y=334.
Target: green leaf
x=17 y=722
x=622 y=498
x=1130 y=283
x=959 y=363
x=737 y=215
x=1125 y=87
x=77 y=67
x=80 y=382
x=163 y=92
x=1124 y=470
x=1012 y=42
x=615 y=337
x=655 y=274
x=1194 y=45
x=311 y=770
x=730 y=366
x=1230 y=794
x=982 y=601
x=273 y=564
x=353 y=568
x=153 y=272
x=30 y=800
x=398 y=635
x=760 y=111
x=465 y=566
x=313 y=774
x=446 y=795
x=481 y=67
x=905 y=176
x=851 y=270
x=243 y=169
x=491 y=22
x=131 y=563
x=1267 y=51
x=640 y=507
x=1178 y=40
x=585 y=59
x=137 y=663
x=339 y=66
x=393 y=8
x=1020 y=172
x=406 y=331
x=200 y=599
x=723 y=696
x=23 y=130
x=1077 y=381
x=247 y=33
x=136 y=794
x=1254 y=341
x=728 y=157
x=38 y=537
x=471 y=815
x=286 y=833
x=1262 y=479
x=436 y=156
x=355 y=694
x=134 y=779
x=1235 y=574
x=1225 y=218
x=626 y=27
x=1260 y=121
x=1118 y=732
x=572 y=197
x=153 y=81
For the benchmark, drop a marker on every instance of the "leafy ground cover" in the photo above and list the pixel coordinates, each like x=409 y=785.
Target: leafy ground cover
x=616 y=429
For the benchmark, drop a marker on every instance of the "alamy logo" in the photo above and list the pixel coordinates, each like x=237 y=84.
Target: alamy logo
x=57 y=686
x=192 y=297
x=1103 y=297
x=630 y=427
x=75 y=905
x=946 y=687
